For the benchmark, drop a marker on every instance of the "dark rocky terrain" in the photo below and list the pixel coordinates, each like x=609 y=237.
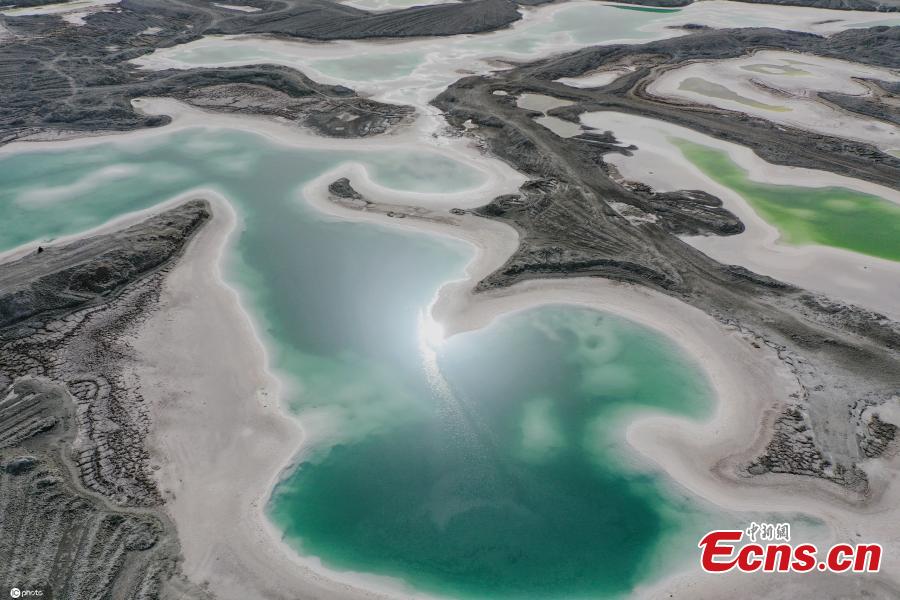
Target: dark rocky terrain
x=77 y=80
x=777 y=144
x=884 y=106
x=877 y=5
x=276 y=91
x=325 y=20
x=81 y=511
x=844 y=358
x=873 y=5
x=57 y=78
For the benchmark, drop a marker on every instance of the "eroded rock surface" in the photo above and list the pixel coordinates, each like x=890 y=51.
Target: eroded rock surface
x=81 y=510
x=577 y=217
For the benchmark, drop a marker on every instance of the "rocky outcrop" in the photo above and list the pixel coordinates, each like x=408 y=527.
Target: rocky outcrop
x=81 y=510
x=577 y=217
x=341 y=188
x=82 y=273
x=323 y=20
x=333 y=111
x=873 y=5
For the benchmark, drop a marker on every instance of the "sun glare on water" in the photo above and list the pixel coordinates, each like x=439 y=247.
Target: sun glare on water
x=431 y=333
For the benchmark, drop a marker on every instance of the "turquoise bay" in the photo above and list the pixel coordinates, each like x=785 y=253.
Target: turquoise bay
x=488 y=465
x=504 y=479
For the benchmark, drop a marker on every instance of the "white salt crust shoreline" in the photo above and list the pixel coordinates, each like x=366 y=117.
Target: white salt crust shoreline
x=442 y=62
x=700 y=457
x=221 y=435
x=221 y=453
x=866 y=281
x=798 y=108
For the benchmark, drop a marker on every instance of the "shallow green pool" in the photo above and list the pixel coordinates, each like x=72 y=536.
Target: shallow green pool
x=829 y=216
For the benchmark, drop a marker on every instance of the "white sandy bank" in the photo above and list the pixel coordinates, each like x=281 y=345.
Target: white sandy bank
x=222 y=439
x=750 y=382
x=867 y=281
x=413 y=71
x=782 y=87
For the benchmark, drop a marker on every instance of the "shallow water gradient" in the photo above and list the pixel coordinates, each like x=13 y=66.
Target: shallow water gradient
x=489 y=464
x=828 y=216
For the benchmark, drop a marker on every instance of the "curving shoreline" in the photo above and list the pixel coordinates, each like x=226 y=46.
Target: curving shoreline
x=865 y=280
x=220 y=432
x=269 y=562
x=231 y=563
x=220 y=436
x=738 y=369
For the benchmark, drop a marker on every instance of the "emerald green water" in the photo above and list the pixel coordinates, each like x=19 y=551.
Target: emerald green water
x=505 y=479
x=488 y=465
x=830 y=216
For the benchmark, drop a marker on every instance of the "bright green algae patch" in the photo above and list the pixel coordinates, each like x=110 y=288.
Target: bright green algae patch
x=829 y=216
x=506 y=483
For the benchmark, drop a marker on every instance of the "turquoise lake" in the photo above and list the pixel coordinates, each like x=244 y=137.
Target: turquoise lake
x=502 y=476
x=488 y=465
